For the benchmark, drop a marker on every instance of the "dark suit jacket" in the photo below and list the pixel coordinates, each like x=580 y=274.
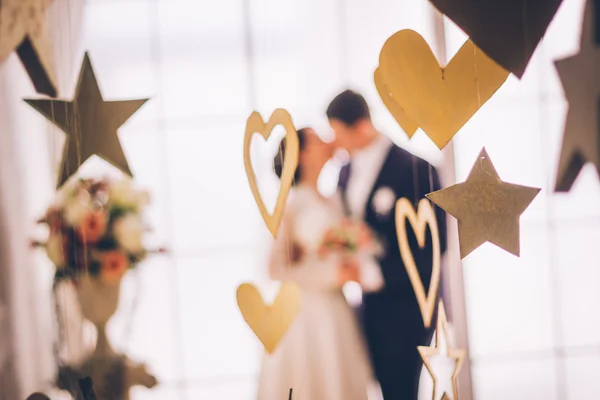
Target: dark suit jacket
x=394 y=310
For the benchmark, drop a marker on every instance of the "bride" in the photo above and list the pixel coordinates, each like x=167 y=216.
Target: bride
x=322 y=356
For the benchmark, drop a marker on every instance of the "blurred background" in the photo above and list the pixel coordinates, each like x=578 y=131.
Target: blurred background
x=529 y=323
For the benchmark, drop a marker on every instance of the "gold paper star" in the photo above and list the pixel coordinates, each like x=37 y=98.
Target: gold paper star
x=23 y=28
x=90 y=124
x=580 y=76
x=487 y=209
x=456 y=354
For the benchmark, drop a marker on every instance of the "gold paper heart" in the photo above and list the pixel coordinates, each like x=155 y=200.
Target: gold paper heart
x=269 y=323
x=256 y=125
x=419 y=221
x=407 y=125
x=439 y=100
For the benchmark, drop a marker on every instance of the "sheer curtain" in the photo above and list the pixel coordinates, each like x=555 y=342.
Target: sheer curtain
x=27 y=176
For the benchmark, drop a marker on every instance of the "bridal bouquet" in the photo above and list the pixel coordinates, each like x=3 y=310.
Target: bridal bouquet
x=355 y=239
x=350 y=238
x=96 y=227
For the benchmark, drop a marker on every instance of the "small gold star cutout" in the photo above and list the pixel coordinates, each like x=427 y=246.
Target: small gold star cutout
x=90 y=124
x=580 y=76
x=442 y=349
x=23 y=28
x=487 y=209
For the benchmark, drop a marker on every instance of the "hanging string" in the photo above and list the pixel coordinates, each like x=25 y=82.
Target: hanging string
x=290 y=244
x=553 y=245
x=477 y=82
x=288 y=235
x=63 y=338
x=173 y=281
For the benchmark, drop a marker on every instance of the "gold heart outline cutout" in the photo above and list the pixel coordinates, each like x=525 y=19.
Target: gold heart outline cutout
x=419 y=92
x=419 y=221
x=256 y=125
x=269 y=323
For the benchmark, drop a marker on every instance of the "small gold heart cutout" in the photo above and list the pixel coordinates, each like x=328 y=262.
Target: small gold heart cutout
x=269 y=323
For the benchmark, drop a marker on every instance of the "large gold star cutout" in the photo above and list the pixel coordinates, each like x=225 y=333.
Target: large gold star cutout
x=90 y=124
x=442 y=349
x=23 y=28
x=487 y=209
x=580 y=76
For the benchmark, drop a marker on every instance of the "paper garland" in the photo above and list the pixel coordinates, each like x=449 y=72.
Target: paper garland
x=487 y=209
x=420 y=93
x=425 y=216
x=269 y=323
x=441 y=332
x=506 y=30
x=90 y=124
x=256 y=125
x=580 y=76
x=23 y=29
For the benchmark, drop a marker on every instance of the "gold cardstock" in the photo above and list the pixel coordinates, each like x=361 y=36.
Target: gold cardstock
x=408 y=126
x=23 y=29
x=440 y=100
x=487 y=209
x=457 y=355
x=269 y=323
x=89 y=122
x=425 y=216
x=256 y=125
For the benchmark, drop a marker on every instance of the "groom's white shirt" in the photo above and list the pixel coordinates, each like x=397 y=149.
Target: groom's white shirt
x=366 y=166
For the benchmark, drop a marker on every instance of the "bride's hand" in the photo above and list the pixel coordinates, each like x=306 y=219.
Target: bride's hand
x=349 y=271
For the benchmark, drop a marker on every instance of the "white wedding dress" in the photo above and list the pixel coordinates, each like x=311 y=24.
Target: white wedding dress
x=322 y=356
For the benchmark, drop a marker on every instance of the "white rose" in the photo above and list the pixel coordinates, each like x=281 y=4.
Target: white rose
x=122 y=194
x=54 y=248
x=128 y=231
x=75 y=209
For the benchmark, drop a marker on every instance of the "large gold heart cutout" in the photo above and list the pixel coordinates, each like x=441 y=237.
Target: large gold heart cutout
x=419 y=221
x=269 y=323
x=256 y=125
x=408 y=126
x=418 y=92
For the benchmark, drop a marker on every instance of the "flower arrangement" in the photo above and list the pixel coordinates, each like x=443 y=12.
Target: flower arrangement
x=96 y=227
x=350 y=237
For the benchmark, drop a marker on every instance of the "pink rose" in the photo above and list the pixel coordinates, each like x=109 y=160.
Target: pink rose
x=92 y=227
x=114 y=266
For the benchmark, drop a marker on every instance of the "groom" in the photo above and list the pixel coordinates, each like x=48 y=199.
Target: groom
x=378 y=174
